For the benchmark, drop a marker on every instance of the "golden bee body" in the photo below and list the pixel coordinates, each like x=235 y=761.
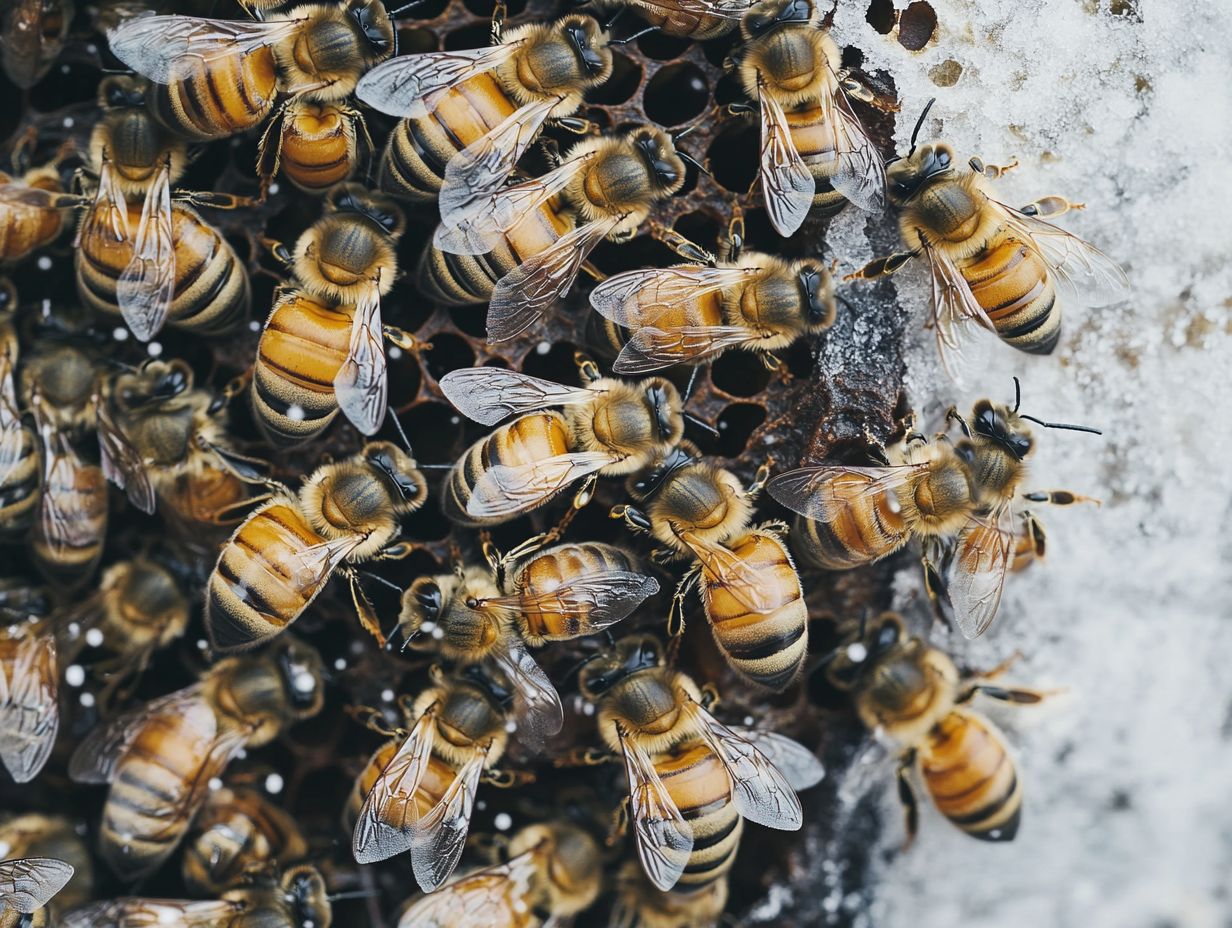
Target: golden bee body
x=25 y=229
x=317 y=147
x=539 y=577
x=639 y=904
x=218 y=99
x=237 y=834
x=32 y=33
x=20 y=470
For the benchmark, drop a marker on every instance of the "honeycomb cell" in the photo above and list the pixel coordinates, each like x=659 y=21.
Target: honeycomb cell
x=916 y=26
x=678 y=93
x=621 y=86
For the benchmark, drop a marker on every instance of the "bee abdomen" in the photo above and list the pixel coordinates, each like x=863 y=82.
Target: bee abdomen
x=220 y=98
x=317 y=149
x=19 y=491
x=863 y=532
x=548 y=570
x=971 y=777
x=1013 y=285
x=22 y=231
x=71 y=559
x=700 y=786
x=815 y=143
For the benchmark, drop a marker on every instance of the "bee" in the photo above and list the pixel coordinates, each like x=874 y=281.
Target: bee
x=912 y=692
x=639 y=904
x=316 y=145
x=494 y=613
x=994 y=268
x=815 y=153
x=215 y=78
x=19 y=460
x=36 y=835
x=27 y=884
x=750 y=591
x=236 y=837
x=322 y=347
x=1029 y=541
x=692 y=313
x=959 y=498
x=609 y=428
x=516 y=247
x=553 y=873
x=699 y=20
x=417 y=791
x=297 y=900
x=32 y=33
x=692 y=780
x=31 y=215
x=29 y=701
x=159 y=759
x=469 y=116
x=280 y=557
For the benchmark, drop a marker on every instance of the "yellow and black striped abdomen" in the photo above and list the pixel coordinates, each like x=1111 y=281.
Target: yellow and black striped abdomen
x=526 y=440
x=862 y=532
x=304 y=344
x=20 y=472
x=260 y=584
x=814 y=141
x=23 y=230
x=318 y=146
x=437 y=777
x=767 y=648
x=547 y=571
x=700 y=785
x=220 y=98
x=80 y=494
x=1013 y=285
x=971 y=776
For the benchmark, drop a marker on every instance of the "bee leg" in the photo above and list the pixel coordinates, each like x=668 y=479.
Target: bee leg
x=364 y=608
x=620 y=823
x=373 y=720
x=395 y=552
x=583 y=757
x=508 y=779
x=531 y=545
x=953 y=415
x=881 y=267
x=634 y=518
x=937 y=596
x=498 y=22
x=269 y=151
x=1019 y=696
x=992 y=171
x=710 y=697
x=1000 y=669
x=1050 y=207
x=675 y=614
x=686 y=248
x=280 y=252
x=405 y=340
x=1036 y=533
x=1059 y=498
x=775 y=527
x=760 y=479
x=588 y=370
x=906 y=795
x=214 y=200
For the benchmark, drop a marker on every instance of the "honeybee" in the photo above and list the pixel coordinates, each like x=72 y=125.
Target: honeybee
x=609 y=427
x=516 y=245
x=553 y=872
x=692 y=780
x=238 y=836
x=692 y=313
x=469 y=116
x=477 y=614
x=994 y=268
x=912 y=692
x=32 y=33
x=19 y=461
x=297 y=900
x=29 y=706
x=27 y=884
x=278 y=560
x=815 y=153
x=315 y=145
x=216 y=78
x=640 y=904
x=750 y=591
x=30 y=212
x=699 y=20
x=35 y=835
x=160 y=758
x=417 y=791
x=322 y=348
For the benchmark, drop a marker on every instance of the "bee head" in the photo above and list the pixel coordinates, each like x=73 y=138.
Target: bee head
x=398 y=471
x=631 y=654
x=1000 y=424
x=121 y=92
x=863 y=649
x=659 y=153
x=307 y=898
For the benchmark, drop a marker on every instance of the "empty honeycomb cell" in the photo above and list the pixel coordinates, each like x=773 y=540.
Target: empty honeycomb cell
x=484 y=8
x=415 y=39
x=702 y=228
x=626 y=78
x=473 y=320
x=916 y=26
x=449 y=353
x=642 y=251
x=740 y=373
x=662 y=47
x=478 y=35
x=732 y=156
x=556 y=363
x=405 y=377
x=880 y=15
x=678 y=93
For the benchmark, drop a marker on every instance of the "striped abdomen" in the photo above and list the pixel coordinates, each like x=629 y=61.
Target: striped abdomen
x=460 y=280
x=79 y=492
x=863 y=531
x=814 y=140
x=526 y=440
x=971 y=776
x=548 y=570
x=318 y=145
x=209 y=497
x=413 y=164
x=436 y=779
x=301 y=350
x=20 y=471
x=684 y=24
x=24 y=230
x=211 y=294
x=767 y=648
x=1012 y=283
x=260 y=584
x=700 y=785
x=224 y=97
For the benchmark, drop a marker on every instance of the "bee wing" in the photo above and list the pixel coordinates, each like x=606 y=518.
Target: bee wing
x=1085 y=274
x=861 y=170
x=133 y=912
x=490 y=394
x=723 y=9
x=485 y=897
x=786 y=184
x=652 y=349
x=121 y=462
x=973 y=574
x=474 y=224
x=664 y=839
x=147 y=285
x=759 y=789
x=29 y=708
x=96 y=756
x=61 y=522
x=28 y=883
x=739 y=578
x=530 y=289
x=536 y=704
x=962 y=328
x=163 y=48
x=829 y=491
x=640 y=298
x=799 y=766
x=388 y=814
x=508 y=490
x=411 y=86
x=438 y=838
x=11 y=429
x=360 y=385
x=591 y=603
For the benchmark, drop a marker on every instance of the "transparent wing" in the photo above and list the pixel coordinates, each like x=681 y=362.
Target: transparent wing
x=360 y=385
x=861 y=170
x=652 y=349
x=664 y=839
x=439 y=837
x=475 y=227
x=641 y=298
x=531 y=288
x=799 y=766
x=163 y=48
x=29 y=708
x=739 y=578
x=491 y=896
x=121 y=462
x=411 y=86
x=507 y=490
x=490 y=394
x=590 y=603
x=536 y=704
x=830 y=491
x=974 y=574
x=107 y=217
x=480 y=170
x=962 y=328
x=153 y=913
x=786 y=184
x=723 y=9
x=28 y=883
x=1084 y=273
x=12 y=432
x=96 y=757
x=63 y=521
x=147 y=285
x=388 y=814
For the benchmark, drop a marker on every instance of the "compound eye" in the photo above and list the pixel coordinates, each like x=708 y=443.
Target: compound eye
x=429 y=598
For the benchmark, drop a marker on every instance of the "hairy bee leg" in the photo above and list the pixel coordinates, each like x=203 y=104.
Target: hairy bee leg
x=675 y=614
x=906 y=796
x=364 y=609
x=1050 y=207
x=620 y=823
x=584 y=757
x=405 y=340
x=1000 y=669
x=992 y=171
x=588 y=370
x=498 y=22
x=760 y=479
x=1060 y=498
x=1017 y=695
x=508 y=779
x=214 y=200
x=395 y=552
x=881 y=267
x=710 y=696
x=635 y=520
x=686 y=248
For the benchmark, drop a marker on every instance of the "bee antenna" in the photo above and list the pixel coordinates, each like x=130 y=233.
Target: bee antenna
x=406 y=442
x=381 y=580
x=688 y=390
x=402 y=9
x=607 y=26
x=689 y=159
x=353 y=894
x=1062 y=425
x=630 y=38
x=1017 y=394
x=434 y=466
x=701 y=424
x=920 y=124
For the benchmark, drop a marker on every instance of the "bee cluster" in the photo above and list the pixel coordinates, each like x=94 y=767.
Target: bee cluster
x=555 y=642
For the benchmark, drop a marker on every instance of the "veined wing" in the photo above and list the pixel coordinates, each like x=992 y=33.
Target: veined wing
x=28 y=883
x=29 y=707
x=361 y=385
x=507 y=490
x=740 y=579
x=799 y=766
x=829 y=491
x=786 y=184
x=147 y=285
x=120 y=461
x=974 y=574
x=591 y=603
x=491 y=896
x=664 y=839
x=163 y=48
x=959 y=322
x=134 y=912
x=652 y=349
x=536 y=704
x=635 y=299
x=490 y=394
x=384 y=826
x=439 y=837
x=96 y=756
x=861 y=170
x=412 y=86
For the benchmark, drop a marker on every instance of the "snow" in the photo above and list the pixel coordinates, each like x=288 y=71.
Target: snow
x=1127 y=818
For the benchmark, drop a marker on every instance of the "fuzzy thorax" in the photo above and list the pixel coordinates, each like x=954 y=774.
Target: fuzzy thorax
x=663 y=732
x=343 y=255
x=329 y=52
x=954 y=214
x=547 y=66
x=620 y=180
x=347 y=500
x=703 y=499
x=797 y=64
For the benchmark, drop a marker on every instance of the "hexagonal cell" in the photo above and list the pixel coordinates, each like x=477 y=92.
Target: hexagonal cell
x=740 y=373
x=880 y=15
x=449 y=353
x=621 y=86
x=735 y=426
x=732 y=155
x=662 y=47
x=678 y=93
